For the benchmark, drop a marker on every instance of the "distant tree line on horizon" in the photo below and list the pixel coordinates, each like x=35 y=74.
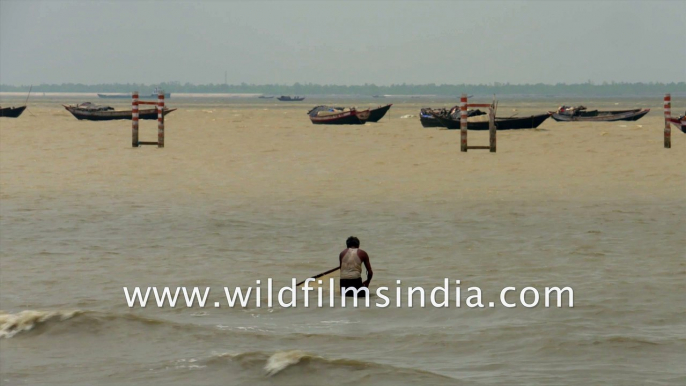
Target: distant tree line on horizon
x=588 y=88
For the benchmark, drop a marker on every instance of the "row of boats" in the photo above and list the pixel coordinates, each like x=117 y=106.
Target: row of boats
x=329 y=115
x=478 y=120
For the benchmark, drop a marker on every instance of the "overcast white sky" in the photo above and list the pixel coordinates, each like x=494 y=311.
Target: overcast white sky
x=332 y=42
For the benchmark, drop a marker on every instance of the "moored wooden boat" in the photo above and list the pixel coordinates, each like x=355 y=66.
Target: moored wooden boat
x=582 y=114
x=376 y=114
x=679 y=122
x=481 y=122
x=12 y=112
x=94 y=114
x=428 y=119
x=325 y=115
x=286 y=98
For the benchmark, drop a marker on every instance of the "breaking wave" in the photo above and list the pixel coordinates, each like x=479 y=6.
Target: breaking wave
x=300 y=363
x=283 y=359
x=12 y=324
x=78 y=320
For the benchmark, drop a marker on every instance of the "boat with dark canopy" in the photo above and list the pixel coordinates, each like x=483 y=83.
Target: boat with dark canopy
x=92 y=112
x=428 y=119
x=376 y=114
x=327 y=115
x=582 y=114
x=12 y=112
x=286 y=98
x=480 y=122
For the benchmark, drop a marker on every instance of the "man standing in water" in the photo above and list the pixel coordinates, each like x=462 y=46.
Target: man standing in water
x=351 y=260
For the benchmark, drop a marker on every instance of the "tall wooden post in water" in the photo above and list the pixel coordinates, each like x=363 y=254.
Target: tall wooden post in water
x=464 y=125
x=463 y=122
x=135 y=116
x=160 y=118
x=134 y=119
x=668 y=115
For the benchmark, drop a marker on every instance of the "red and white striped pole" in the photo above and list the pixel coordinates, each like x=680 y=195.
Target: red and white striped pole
x=668 y=127
x=134 y=119
x=160 y=119
x=463 y=122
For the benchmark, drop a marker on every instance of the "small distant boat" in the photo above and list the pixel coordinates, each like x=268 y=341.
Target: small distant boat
x=91 y=112
x=378 y=113
x=481 y=122
x=582 y=114
x=265 y=97
x=152 y=95
x=378 y=96
x=286 y=98
x=12 y=112
x=326 y=115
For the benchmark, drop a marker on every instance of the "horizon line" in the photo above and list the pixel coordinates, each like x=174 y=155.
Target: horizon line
x=243 y=84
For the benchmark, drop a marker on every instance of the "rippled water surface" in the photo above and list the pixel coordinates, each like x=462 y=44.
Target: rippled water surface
x=246 y=191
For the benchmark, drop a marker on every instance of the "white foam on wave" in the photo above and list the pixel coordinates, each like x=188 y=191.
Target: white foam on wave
x=12 y=324
x=282 y=360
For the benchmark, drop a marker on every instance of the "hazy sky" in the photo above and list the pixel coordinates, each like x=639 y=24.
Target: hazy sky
x=331 y=42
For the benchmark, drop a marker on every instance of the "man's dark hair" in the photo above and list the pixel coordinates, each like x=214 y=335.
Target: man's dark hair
x=352 y=242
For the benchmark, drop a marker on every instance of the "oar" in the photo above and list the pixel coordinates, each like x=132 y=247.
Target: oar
x=320 y=275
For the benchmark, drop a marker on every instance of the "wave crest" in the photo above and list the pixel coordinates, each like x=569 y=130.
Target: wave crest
x=282 y=359
x=12 y=324
x=272 y=363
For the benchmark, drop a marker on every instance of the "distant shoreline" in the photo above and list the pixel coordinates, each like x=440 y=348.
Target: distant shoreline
x=390 y=98
x=501 y=90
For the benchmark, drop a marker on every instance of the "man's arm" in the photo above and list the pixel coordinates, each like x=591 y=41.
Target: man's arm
x=365 y=259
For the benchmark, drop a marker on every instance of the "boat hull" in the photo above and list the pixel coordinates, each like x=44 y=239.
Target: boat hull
x=428 y=121
x=352 y=117
x=522 y=123
x=148 y=114
x=290 y=99
x=603 y=116
x=679 y=122
x=376 y=114
x=12 y=112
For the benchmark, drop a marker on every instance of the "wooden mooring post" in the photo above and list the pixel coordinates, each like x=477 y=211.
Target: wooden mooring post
x=464 y=104
x=135 y=102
